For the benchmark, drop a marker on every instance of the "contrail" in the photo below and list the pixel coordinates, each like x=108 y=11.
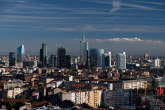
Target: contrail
x=115 y=6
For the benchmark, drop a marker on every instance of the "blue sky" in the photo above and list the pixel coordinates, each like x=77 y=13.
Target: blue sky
x=131 y=25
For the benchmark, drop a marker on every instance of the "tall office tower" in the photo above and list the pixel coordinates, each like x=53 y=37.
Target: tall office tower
x=52 y=61
x=63 y=60
x=93 y=55
x=106 y=60
x=84 y=51
x=121 y=60
x=67 y=61
x=43 y=55
x=12 y=59
x=100 y=53
x=61 y=52
x=74 y=63
x=20 y=53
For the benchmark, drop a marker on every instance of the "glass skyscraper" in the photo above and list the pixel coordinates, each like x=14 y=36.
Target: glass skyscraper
x=12 y=59
x=100 y=53
x=93 y=55
x=63 y=60
x=96 y=57
x=20 y=53
x=121 y=60
x=43 y=55
x=61 y=52
x=84 y=51
x=106 y=58
x=52 y=61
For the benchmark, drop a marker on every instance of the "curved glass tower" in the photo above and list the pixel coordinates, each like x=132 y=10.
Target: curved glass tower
x=20 y=53
x=84 y=51
x=121 y=60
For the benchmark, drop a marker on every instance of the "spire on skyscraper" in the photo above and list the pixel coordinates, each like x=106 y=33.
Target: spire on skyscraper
x=83 y=37
x=84 y=51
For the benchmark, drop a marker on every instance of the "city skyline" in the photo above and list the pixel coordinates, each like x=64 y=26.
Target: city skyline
x=115 y=49
x=135 y=26
x=82 y=54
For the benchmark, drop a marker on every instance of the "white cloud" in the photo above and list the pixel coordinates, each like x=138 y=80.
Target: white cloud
x=128 y=39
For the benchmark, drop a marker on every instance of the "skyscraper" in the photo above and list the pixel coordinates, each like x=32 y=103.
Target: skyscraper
x=121 y=60
x=93 y=55
x=61 y=52
x=63 y=60
x=20 y=53
x=43 y=55
x=84 y=52
x=100 y=53
x=106 y=60
x=96 y=58
x=67 y=61
x=12 y=59
x=52 y=61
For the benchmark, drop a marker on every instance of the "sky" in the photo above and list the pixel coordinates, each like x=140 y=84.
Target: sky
x=134 y=26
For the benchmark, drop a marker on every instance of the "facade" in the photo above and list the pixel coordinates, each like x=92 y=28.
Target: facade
x=117 y=98
x=134 y=84
x=13 y=84
x=61 y=52
x=84 y=51
x=63 y=60
x=12 y=93
x=93 y=55
x=52 y=61
x=100 y=58
x=12 y=59
x=20 y=53
x=43 y=55
x=91 y=97
x=96 y=57
x=67 y=61
x=106 y=60
x=121 y=60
